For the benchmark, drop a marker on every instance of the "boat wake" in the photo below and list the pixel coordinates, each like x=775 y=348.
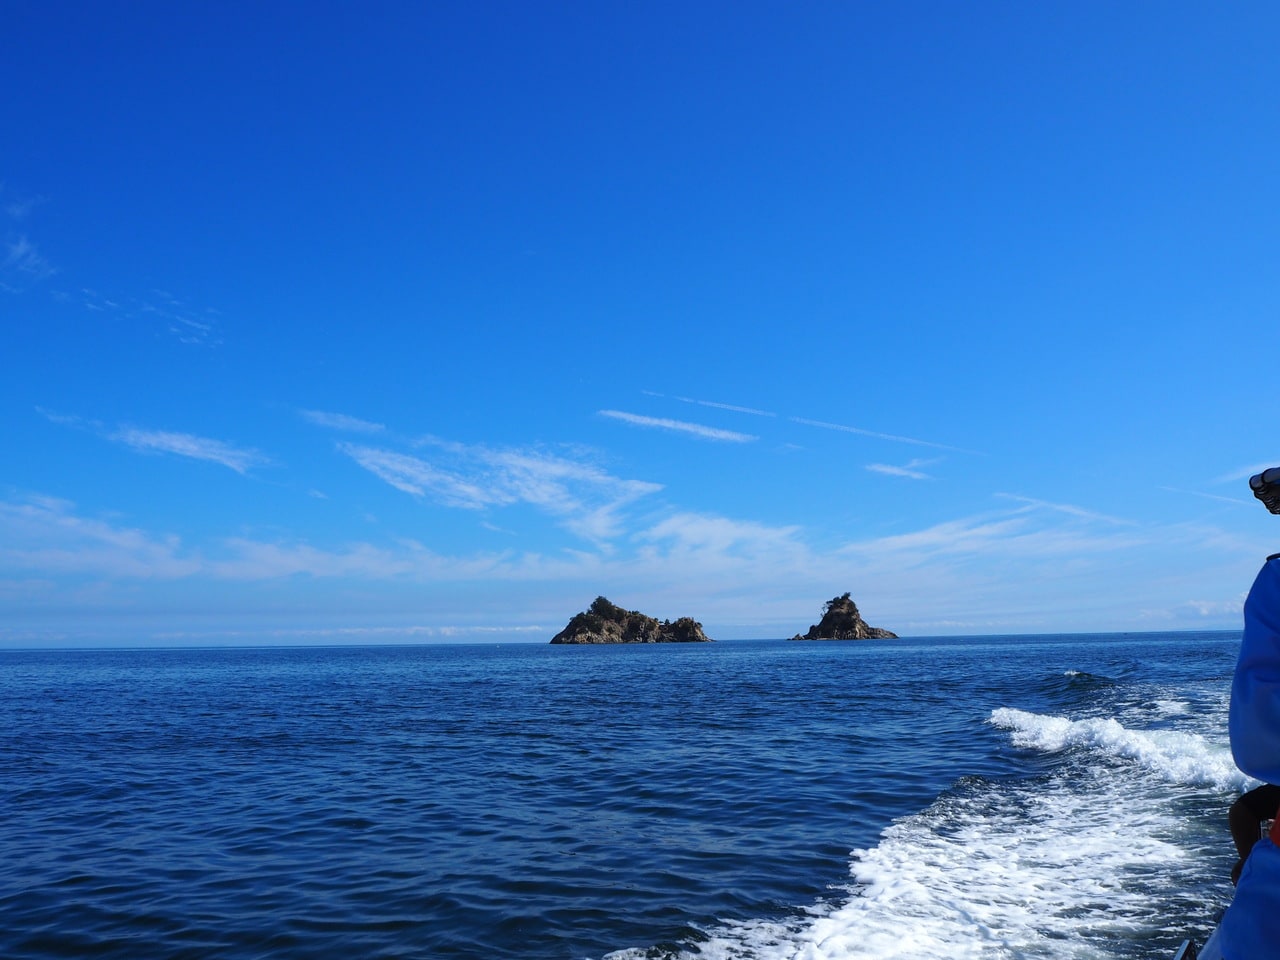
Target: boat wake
x=1089 y=860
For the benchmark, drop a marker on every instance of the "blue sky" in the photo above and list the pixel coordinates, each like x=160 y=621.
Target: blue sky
x=417 y=322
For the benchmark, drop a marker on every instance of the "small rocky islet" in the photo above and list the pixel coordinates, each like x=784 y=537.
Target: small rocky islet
x=841 y=621
x=606 y=622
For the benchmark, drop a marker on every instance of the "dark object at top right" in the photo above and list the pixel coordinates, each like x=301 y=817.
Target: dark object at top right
x=1266 y=487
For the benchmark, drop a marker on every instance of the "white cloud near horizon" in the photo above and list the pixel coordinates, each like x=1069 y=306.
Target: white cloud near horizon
x=341 y=421
x=239 y=459
x=45 y=533
x=680 y=426
x=1009 y=536
x=358 y=634
x=1022 y=566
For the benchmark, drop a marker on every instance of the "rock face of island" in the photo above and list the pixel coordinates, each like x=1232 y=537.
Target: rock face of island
x=841 y=621
x=604 y=622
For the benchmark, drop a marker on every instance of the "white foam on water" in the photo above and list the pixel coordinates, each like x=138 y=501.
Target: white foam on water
x=1178 y=757
x=1064 y=867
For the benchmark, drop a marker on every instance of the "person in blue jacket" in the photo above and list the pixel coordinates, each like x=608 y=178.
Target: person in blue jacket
x=1250 y=929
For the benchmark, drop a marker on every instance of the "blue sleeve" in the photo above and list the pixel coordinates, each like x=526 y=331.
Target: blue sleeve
x=1250 y=929
x=1255 y=692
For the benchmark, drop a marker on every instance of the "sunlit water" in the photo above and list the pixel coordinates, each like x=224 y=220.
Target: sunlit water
x=1055 y=797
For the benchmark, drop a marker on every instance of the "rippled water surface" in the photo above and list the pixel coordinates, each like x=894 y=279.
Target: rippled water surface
x=538 y=801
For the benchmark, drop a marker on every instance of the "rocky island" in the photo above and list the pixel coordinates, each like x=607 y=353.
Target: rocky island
x=604 y=622
x=841 y=621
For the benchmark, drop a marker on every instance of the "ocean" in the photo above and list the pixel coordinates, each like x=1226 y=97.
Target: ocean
x=974 y=797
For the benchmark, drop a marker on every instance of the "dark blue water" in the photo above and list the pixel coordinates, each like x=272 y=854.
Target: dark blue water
x=537 y=801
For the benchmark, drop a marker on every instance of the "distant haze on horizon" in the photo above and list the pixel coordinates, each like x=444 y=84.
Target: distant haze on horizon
x=431 y=323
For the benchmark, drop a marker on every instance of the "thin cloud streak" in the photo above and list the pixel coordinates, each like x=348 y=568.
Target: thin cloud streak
x=879 y=436
x=189 y=445
x=1068 y=509
x=727 y=406
x=1244 y=473
x=239 y=459
x=680 y=426
x=68 y=419
x=911 y=471
x=340 y=421
x=1239 y=501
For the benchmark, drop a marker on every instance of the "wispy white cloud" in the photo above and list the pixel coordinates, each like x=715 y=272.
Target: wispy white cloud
x=360 y=634
x=964 y=536
x=717 y=536
x=45 y=534
x=1202 y=609
x=341 y=421
x=1014 y=569
x=911 y=471
x=680 y=426
x=258 y=560
x=585 y=499
x=19 y=208
x=21 y=256
x=22 y=262
x=994 y=540
x=187 y=324
x=239 y=459
x=420 y=478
